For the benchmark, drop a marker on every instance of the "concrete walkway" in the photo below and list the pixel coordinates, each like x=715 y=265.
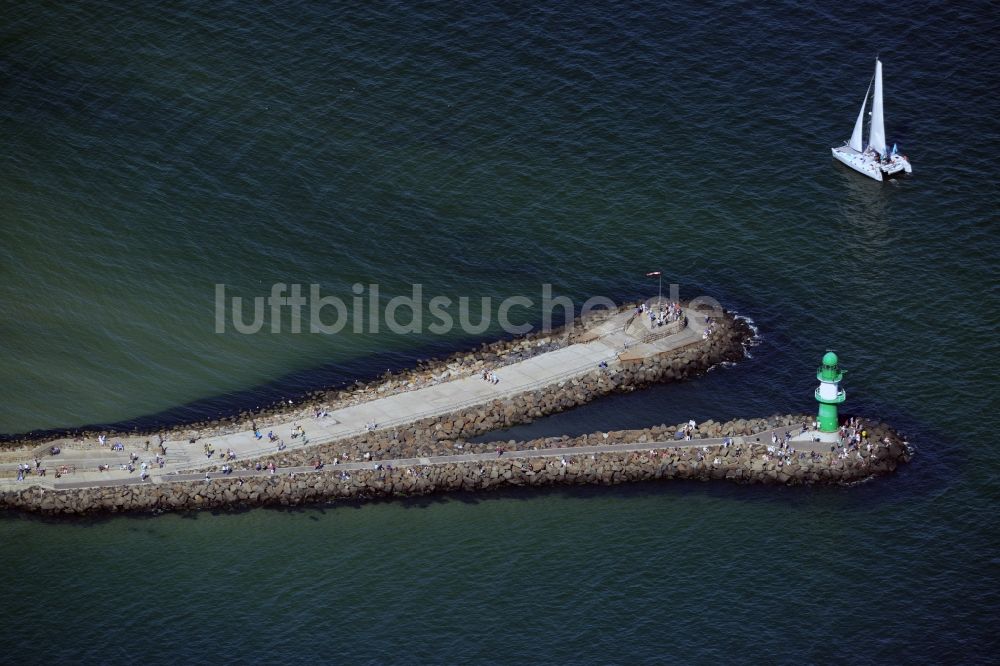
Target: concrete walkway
x=761 y=438
x=607 y=343
x=557 y=452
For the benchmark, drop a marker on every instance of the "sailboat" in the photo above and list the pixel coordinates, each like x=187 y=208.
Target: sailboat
x=875 y=161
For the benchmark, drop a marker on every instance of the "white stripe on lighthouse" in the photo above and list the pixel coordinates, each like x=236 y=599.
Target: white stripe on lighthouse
x=828 y=390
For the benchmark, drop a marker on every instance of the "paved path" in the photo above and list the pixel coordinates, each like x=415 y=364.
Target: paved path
x=607 y=343
x=557 y=452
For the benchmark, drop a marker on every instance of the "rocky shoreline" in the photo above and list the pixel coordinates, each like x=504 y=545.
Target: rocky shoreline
x=746 y=461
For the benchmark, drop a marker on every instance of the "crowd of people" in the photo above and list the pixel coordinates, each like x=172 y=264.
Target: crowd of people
x=854 y=438
x=24 y=470
x=134 y=461
x=781 y=448
x=665 y=314
x=687 y=432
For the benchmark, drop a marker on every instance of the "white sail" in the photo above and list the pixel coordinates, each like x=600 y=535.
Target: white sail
x=855 y=142
x=876 y=135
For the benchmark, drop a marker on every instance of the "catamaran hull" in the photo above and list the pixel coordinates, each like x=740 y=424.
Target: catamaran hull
x=870 y=166
x=859 y=163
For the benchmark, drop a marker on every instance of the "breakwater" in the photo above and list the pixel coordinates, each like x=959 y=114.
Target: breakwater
x=748 y=456
x=430 y=410
x=448 y=433
x=415 y=454
x=730 y=335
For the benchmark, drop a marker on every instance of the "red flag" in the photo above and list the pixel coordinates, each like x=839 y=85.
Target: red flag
x=653 y=274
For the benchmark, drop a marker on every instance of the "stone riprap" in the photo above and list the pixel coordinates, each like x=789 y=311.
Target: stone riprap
x=602 y=358
x=448 y=434
x=748 y=458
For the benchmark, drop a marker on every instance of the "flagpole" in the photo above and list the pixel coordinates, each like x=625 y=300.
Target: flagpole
x=659 y=279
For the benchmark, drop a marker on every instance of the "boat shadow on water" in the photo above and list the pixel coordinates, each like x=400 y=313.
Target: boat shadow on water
x=864 y=201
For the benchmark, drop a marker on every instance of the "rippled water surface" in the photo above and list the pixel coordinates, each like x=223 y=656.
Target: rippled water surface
x=153 y=152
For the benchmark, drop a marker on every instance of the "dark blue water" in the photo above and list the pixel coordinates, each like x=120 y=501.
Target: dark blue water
x=152 y=153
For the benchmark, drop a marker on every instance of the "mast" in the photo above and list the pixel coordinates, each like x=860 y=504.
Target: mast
x=876 y=134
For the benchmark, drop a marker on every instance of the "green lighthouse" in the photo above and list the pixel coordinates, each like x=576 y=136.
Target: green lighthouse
x=829 y=394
